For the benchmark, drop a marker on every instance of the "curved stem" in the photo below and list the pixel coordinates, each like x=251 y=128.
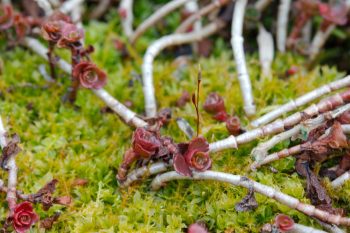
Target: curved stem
x=157 y=15
x=260 y=5
x=302 y=100
x=238 y=52
x=156 y=47
x=341 y=180
x=265 y=190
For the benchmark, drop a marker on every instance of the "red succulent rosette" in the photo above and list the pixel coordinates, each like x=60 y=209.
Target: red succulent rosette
x=214 y=103
x=70 y=35
x=24 y=217
x=336 y=14
x=197 y=227
x=89 y=75
x=6 y=17
x=145 y=143
x=194 y=155
x=51 y=29
x=221 y=116
x=284 y=223
x=197 y=154
x=233 y=125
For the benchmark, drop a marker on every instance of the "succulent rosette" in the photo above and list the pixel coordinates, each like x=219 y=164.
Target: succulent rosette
x=89 y=75
x=284 y=223
x=24 y=217
x=336 y=14
x=214 y=103
x=233 y=125
x=196 y=157
x=70 y=35
x=145 y=143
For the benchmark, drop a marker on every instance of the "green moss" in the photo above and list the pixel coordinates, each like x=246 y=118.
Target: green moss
x=67 y=143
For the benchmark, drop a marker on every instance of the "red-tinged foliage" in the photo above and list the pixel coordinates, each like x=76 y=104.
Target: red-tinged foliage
x=70 y=36
x=233 y=125
x=24 y=217
x=284 y=222
x=336 y=14
x=89 y=75
x=214 y=103
x=197 y=227
x=6 y=17
x=145 y=143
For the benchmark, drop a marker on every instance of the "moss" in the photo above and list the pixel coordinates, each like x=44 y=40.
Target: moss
x=67 y=143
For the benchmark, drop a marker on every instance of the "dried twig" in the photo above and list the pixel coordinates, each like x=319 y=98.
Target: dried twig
x=282 y=24
x=265 y=190
x=70 y=5
x=238 y=52
x=158 y=15
x=126 y=114
x=11 y=166
x=101 y=8
x=156 y=47
x=45 y=5
x=260 y=5
x=302 y=100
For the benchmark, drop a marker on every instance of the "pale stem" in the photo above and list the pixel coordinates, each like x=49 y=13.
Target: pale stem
x=155 y=17
x=126 y=114
x=341 y=180
x=46 y=6
x=266 y=50
x=279 y=126
x=265 y=190
x=145 y=171
x=282 y=24
x=127 y=5
x=261 y=151
x=101 y=8
x=11 y=167
x=70 y=5
x=238 y=52
x=302 y=100
x=156 y=47
x=298 y=228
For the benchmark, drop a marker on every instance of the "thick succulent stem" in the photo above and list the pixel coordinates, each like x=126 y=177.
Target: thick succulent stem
x=282 y=24
x=238 y=52
x=125 y=6
x=156 y=47
x=265 y=190
x=302 y=100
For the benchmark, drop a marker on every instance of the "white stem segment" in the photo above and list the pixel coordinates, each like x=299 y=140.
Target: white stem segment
x=156 y=47
x=265 y=190
x=141 y=172
x=341 y=180
x=260 y=5
x=282 y=24
x=46 y=6
x=126 y=114
x=70 y=5
x=302 y=100
x=127 y=21
x=101 y=8
x=260 y=152
x=318 y=41
x=11 y=166
x=279 y=126
x=298 y=228
x=238 y=52
x=157 y=15
x=266 y=50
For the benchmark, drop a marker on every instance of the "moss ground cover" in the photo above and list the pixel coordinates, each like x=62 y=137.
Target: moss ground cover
x=64 y=142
